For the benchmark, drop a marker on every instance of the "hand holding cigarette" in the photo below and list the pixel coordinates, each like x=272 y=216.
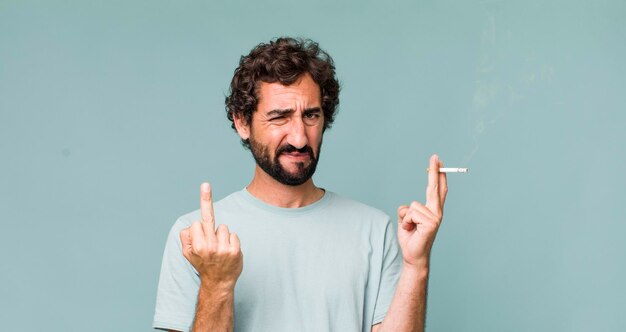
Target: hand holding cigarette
x=418 y=223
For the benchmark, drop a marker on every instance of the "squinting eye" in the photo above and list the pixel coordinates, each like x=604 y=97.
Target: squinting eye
x=277 y=118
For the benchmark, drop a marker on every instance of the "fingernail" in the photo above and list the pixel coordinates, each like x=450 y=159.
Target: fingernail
x=205 y=187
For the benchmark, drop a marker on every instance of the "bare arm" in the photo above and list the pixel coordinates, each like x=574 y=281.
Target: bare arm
x=215 y=309
x=216 y=255
x=408 y=308
x=418 y=225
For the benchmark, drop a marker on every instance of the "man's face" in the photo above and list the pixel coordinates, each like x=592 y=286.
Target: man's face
x=286 y=130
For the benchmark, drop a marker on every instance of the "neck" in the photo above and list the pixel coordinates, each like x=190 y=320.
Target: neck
x=272 y=192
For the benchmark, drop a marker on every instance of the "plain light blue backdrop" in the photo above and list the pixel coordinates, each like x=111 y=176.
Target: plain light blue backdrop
x=111 y=114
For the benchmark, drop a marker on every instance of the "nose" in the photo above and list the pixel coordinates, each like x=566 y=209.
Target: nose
x=297 y=134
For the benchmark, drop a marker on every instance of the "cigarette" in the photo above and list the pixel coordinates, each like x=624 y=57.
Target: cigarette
x=451 y=170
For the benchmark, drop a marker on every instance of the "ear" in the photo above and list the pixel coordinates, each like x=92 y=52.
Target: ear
x=243 y=129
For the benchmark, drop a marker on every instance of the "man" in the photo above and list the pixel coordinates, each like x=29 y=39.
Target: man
x=315 y=261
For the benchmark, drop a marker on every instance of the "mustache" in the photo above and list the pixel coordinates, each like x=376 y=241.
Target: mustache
x=290 y=148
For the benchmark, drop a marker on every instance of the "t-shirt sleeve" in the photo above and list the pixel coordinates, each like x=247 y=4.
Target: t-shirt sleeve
x=178 y=286
x=390 y=272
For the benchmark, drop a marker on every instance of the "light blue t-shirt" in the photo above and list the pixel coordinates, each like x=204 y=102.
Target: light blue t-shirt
x=329 y=266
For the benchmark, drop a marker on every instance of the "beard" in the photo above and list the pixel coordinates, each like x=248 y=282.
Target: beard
x=273 y=167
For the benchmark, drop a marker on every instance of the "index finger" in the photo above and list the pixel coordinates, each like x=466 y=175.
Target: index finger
x=432 y=190
x=206 y=204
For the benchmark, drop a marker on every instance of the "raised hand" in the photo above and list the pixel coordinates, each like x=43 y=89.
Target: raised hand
x=418 y=223
x=215 y=254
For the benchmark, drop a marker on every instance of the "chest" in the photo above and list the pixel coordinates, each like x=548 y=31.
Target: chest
x=304 y=273
x=306 y=255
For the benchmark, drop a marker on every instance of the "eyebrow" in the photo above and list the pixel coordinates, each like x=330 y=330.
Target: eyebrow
x=280 y=112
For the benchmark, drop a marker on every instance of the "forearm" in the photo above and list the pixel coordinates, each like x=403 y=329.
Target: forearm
x=408 y=307
x=215 y=309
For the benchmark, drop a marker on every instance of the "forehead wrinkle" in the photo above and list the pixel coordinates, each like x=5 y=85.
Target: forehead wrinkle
x=297 y=96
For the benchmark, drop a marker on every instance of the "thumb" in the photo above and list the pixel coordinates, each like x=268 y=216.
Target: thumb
x=402 y=209
x=185 y=241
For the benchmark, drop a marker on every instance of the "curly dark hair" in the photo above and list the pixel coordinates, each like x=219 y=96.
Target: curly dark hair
x=283 y=60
